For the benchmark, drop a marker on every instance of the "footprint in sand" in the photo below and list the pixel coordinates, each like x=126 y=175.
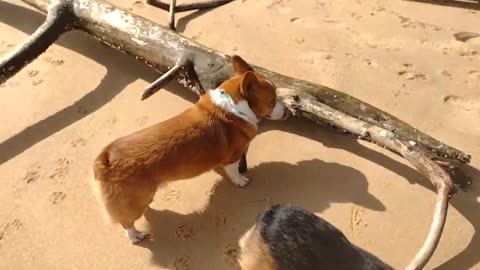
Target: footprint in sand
x=17 y=224
x=113 y=120
x=356 y=219
x=466 y=104
x=37 y=82
x=356 y=215
x=33 y=173
x=78 y=142
x=446 y=73
x=469 y=53
x=185 y=231
x=61 y=169
x=220 y=220
x=181 y=263
x=370 y=63
x=31 y=176
x=198 y=35
x=319 y=4
x=54 y=62
x=57 y=197
x=276 y=4
x=230 y=254
x=300 y=40
x=14 y=225
x=33 y=73
x=82 y=109
x=137 y=5
x=5 y=46
x=474 y=75
x=411 y=75
x=142 y=121
x=356 y=16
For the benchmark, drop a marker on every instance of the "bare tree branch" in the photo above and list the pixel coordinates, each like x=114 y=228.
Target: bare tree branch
x=171 y=19
x=163 y=80
x=58 y=21
x=199 y=5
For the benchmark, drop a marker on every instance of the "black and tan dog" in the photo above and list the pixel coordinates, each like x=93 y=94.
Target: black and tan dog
x=287 y=237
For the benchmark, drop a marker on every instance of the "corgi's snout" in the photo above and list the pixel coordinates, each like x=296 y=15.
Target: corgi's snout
x=279 y=112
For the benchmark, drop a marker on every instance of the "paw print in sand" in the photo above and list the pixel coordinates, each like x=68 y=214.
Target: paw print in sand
x=185 y=232
x=31 y=175
x=230 y=254
x=61 y=170
x=182 y=263
x=57 y=197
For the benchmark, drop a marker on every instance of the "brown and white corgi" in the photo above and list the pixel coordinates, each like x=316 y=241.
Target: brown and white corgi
x=287 y=237
x=215 y=132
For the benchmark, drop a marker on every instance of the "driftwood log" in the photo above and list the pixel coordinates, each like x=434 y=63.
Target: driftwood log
x=199 y=68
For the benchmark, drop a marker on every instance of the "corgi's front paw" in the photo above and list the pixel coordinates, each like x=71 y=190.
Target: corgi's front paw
x=135 y=236
x=240 y=180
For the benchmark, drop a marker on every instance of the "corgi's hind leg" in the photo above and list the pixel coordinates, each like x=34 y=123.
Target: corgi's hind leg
x=127 y=217
x=127 y=207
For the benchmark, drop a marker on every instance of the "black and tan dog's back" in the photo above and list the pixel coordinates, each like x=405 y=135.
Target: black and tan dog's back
x=290 y=238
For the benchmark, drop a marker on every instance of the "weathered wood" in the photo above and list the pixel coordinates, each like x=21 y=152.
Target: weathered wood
x=440 y=152
x=163 y=49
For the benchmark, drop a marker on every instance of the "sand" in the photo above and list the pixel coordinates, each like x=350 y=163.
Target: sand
x=400 y=56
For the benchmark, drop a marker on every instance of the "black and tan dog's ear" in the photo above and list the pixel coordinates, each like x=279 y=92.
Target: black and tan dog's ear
x=239 y=65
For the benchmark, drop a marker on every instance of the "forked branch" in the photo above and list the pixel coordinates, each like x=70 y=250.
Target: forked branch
x=199 y=5
x=173 y=8
x=59 y=20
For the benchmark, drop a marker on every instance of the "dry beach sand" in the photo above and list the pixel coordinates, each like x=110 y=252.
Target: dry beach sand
x=400 y=56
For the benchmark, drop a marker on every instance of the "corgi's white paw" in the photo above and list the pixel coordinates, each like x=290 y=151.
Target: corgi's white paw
x=135 y=236
x=240 y=180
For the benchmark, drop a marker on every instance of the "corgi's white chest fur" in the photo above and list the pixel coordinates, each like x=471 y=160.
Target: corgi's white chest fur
x=240 y=109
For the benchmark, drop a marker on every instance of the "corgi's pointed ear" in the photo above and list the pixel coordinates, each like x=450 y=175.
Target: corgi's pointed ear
x=249 y=83
x=239 y=65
